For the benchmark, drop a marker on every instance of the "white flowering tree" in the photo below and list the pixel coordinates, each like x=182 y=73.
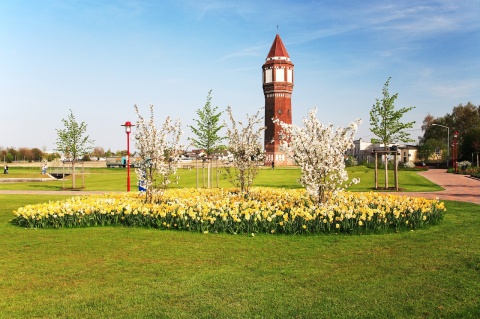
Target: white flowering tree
x=159 y=150
x=319 y=151
x=244 y=143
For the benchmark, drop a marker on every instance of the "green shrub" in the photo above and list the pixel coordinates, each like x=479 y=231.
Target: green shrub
x=9 y=158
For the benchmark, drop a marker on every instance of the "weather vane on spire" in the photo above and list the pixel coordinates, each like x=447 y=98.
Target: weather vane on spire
x=277 y=28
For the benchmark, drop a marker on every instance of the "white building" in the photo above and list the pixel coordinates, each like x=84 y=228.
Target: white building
x=363 y=151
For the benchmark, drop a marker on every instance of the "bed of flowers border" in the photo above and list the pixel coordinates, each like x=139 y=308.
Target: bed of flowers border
x=265 y=210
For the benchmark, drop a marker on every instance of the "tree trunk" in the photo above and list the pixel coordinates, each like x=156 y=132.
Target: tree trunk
x=386 y=171
x=73 y=174
x=395 y=170
x=83 y=175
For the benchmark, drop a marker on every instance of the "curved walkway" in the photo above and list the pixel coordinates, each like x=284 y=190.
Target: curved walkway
x=457 y=188
x=460 y=188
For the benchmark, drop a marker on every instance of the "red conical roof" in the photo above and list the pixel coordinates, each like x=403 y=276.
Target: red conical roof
x=277 y=49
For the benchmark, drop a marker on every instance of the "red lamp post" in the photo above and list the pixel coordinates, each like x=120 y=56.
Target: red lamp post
x=128 y=130
x=455 y=151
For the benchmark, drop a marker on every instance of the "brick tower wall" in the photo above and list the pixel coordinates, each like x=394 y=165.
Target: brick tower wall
x=277 y=88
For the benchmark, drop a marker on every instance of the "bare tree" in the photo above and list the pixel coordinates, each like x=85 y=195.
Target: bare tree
x=98 y=152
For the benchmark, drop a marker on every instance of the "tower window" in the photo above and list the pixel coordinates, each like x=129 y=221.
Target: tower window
x=268 y=76
x=279 y=75
x=279 y=111
x=290 y=75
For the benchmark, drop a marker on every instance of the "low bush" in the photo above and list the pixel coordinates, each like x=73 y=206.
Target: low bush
x=473 y=171
x=464 y=165
x=465 y=170
x=351 y=161
x=381 y=166
x=409 y=165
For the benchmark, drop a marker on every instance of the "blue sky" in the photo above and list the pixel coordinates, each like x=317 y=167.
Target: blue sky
x=99 y=58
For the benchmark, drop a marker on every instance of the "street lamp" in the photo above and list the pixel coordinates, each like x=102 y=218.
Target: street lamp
x=448 y=139
x=128 y=130
x=455 y=151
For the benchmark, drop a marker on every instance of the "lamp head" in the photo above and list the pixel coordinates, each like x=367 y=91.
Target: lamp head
x=128 y=127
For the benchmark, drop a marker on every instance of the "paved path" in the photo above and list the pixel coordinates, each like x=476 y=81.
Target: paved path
x=457 y=187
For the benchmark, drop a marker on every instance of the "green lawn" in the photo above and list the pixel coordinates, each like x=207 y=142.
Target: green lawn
x=114 y=179
x=408 y=181
x=116 y=272
x=23 y=172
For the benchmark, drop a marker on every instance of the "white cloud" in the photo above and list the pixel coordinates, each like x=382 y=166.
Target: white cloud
x=456 y=90
x=253 y=51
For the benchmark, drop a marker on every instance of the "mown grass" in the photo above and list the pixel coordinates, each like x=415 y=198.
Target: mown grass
x=117 y=272
x=114 y=179
x=23 y=172
x=141 y=273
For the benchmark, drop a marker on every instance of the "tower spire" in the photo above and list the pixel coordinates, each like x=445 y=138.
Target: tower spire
x=278 y=49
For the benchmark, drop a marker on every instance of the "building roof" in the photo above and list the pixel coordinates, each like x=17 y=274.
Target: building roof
x=277 y=49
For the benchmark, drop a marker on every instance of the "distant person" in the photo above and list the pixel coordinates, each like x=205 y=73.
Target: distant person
x=5 y=169
x=273 y=164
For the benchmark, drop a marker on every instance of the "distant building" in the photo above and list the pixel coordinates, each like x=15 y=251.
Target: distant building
x=408 y=153
x=363 y=151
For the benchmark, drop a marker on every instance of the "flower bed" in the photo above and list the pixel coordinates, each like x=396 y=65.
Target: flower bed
x=265 y=210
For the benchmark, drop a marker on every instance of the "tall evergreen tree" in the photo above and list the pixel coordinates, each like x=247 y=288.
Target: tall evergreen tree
x=207 y=127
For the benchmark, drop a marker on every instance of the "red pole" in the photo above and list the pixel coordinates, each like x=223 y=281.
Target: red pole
x=128 y=128
x=128 y=161
x=456 y=157
x=455 y=151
